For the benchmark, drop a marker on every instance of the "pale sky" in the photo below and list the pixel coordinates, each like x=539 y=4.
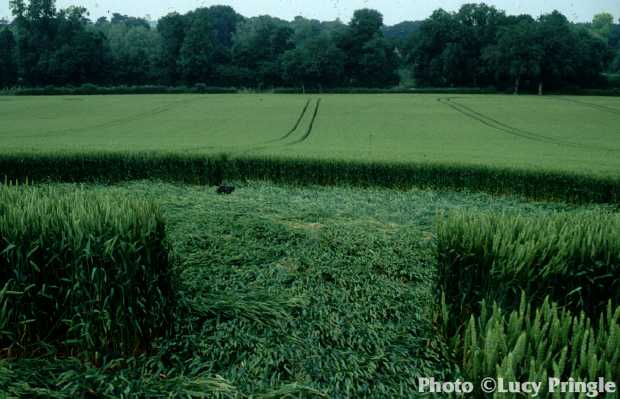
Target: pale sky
x=394 y=11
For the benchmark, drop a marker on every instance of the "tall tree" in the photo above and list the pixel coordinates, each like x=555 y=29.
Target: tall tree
x=136 y=50
x=554 y=35
x=602 y=25
x=316 y=63
x=370 y=58
x=130 y=22
x=35 y=33
x=8 y=66
x=479 y=26
x=136 y=53
x=427 y=45
x=517 y=54
x=590 y=56
x=79 y=55
x=196 y=58
x=614 y=36
x=172 y=29
x=476 y=46
x=224 y=21
x=258 y=46
x=56 y=47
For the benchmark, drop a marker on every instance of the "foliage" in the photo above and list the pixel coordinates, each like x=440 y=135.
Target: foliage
x=310 y=292
x=614 y=80
x=56 y=47
x=479 y=45
x=614 y=42
x=370 y=58
x=196 y=54
x=257 y=48
x=537 y=343
x=564 y=267
x=81 y=274
x=134 y=51
x=602 y=25
x=446 y=50
x=171 y=29
x=401 y=32
x=116 y=167
x=517 y=53
x=91 y=89
x=469 y=138
x=8 y=67
x=316 y=63
x=572 y=257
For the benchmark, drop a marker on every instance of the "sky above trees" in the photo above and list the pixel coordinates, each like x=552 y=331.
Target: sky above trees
x=394 y=11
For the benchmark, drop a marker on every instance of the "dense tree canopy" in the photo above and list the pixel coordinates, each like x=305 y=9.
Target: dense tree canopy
x=614 y=43
x=56 y=47
x=481 y=46
x=517 y=54
x=257 y=50
x=370 y=60
x=602 y=25
x=8 y=68
x=132 y=50
x=171 y=30
x=477 y=46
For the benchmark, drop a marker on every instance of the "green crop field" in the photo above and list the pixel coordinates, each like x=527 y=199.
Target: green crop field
x=300 y=291
x=211 y=205
x=370 y=240
x=311 y=291
x=577 y=134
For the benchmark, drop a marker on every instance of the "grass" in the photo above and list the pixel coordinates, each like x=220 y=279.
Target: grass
x=572 y=257
x=118 y=167
x=81 y=273
x=332 y=290
x=538 y=343
x=558 y=134
x=553 y=148
x=308 y=291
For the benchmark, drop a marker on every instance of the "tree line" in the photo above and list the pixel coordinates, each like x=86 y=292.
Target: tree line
x=477 y=46
x=482 y=46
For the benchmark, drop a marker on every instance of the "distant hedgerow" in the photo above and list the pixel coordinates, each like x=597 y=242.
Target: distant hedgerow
x=92 y=89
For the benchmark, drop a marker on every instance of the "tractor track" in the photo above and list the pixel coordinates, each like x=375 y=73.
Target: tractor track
x=599 y=107
x=311 y=125
x=278 y=143
x=119 y=121
x=490 y=122
x=297 y=123
x=513 y=131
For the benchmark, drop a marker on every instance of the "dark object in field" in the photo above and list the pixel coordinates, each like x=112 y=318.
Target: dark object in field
x=328 y=277
x=225 y=189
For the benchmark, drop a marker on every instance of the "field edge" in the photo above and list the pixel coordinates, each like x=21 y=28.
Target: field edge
x=214 y=169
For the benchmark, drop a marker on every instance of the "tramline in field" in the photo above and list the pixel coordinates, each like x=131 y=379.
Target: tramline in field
x=214 y=205
x=578 y=134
